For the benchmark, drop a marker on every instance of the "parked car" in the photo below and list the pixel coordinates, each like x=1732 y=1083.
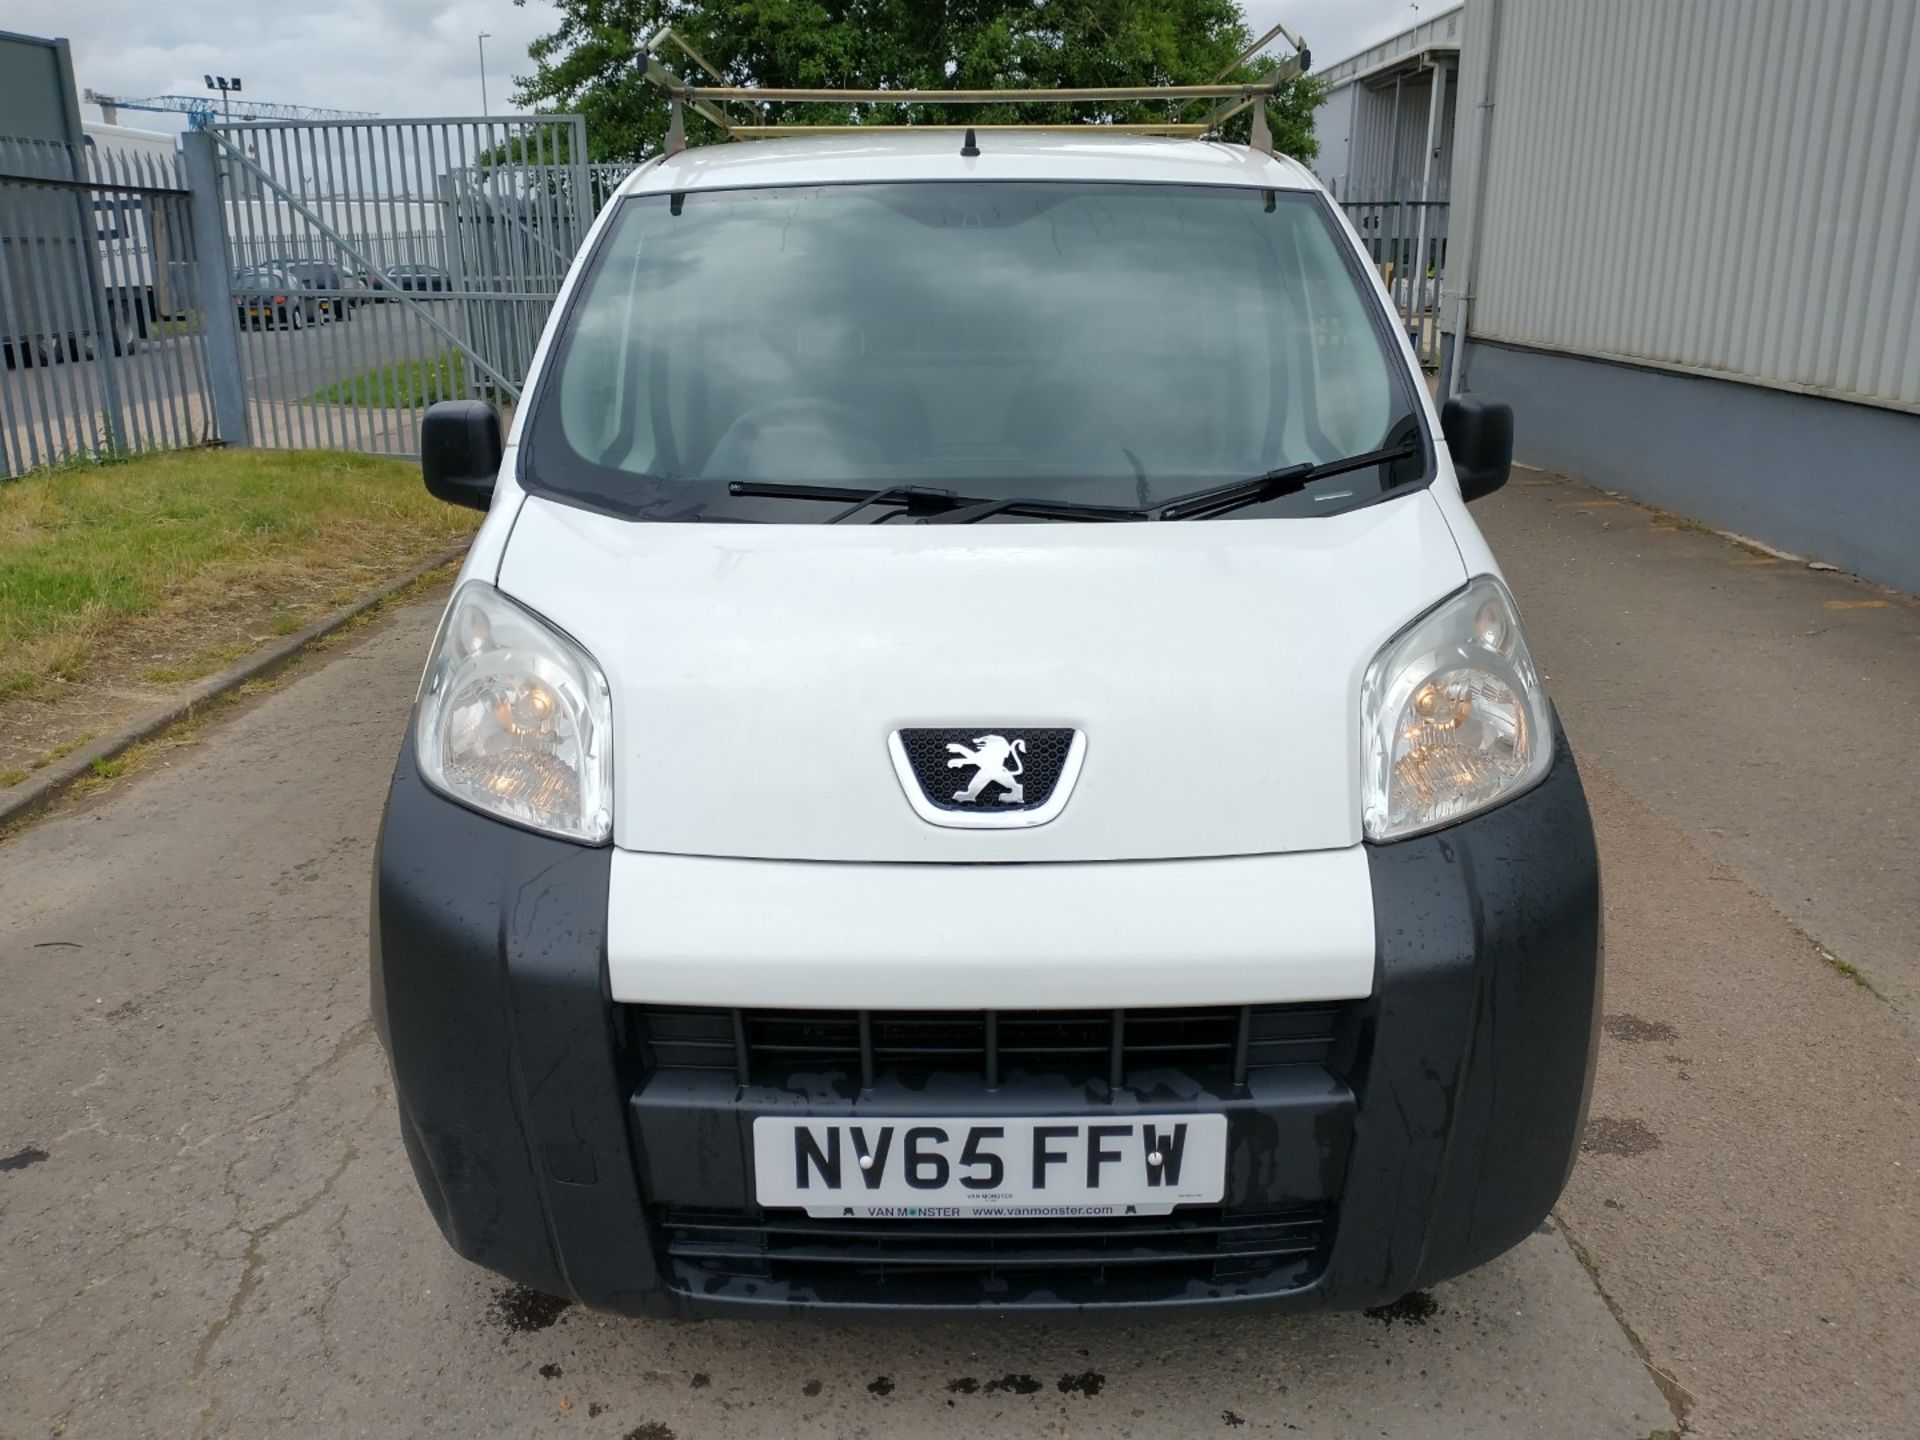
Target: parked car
x=266 y=296
x=1130 y=862
x=335 y=290
x=418 y=277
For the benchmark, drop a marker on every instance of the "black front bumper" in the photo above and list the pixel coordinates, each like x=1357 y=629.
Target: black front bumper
x=1432 y=1133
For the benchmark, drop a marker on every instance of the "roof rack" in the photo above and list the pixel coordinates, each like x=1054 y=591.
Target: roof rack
x=709 y=101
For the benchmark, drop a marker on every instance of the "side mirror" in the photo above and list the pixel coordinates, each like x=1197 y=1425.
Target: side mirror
x=1480 y=439
x=460 y=451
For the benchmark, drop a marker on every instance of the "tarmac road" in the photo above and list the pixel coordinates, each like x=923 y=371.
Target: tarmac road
x=207 y=1225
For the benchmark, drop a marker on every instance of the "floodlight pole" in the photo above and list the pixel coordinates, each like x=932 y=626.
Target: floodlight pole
x=485 y=35
x=226 y=87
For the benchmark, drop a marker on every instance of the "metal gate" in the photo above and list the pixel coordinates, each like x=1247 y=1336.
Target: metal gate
x=101 y=348
x=381 y=265
x=1408 y=241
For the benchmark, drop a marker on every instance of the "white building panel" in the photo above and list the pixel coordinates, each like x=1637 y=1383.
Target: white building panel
x=1729 y=187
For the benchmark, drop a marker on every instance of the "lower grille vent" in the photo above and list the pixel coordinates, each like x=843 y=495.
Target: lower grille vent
x=767 y=1045
x=969 y=1259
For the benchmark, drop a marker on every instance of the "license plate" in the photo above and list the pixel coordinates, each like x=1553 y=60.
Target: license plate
x=1025 y=1167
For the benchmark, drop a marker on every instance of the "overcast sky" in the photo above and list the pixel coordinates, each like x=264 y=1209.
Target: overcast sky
x=419 y=57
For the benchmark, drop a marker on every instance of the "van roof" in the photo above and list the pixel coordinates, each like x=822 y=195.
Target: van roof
x=929 y=153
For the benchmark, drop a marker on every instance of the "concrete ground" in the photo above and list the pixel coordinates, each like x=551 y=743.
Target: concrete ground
x=207 y=1225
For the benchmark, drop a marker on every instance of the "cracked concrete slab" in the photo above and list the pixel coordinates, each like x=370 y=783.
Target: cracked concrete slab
x=224 y=1238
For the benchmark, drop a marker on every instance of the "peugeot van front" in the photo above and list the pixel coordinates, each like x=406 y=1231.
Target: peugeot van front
x=979 y=761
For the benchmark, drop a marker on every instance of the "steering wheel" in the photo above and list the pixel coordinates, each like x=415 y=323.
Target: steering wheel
x=818 y=433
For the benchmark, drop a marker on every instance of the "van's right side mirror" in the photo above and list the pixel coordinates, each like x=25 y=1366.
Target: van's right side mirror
x=460 y=451
x=1480 y=439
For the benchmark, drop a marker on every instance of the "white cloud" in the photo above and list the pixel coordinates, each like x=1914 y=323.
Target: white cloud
x=392 y=57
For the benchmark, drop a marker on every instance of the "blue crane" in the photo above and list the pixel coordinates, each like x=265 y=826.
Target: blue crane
x=204 y=110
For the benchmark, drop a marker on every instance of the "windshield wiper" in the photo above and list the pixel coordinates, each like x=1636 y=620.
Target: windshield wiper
x=1238 y=494
x=942 y=507
x=1036 y=509
x=908 y=497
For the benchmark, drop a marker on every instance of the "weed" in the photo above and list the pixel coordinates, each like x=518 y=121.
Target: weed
x=1846 y=968
x=60 y=752
x=195 y=666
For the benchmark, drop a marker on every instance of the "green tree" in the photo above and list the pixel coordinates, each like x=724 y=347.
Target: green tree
x=590 y=63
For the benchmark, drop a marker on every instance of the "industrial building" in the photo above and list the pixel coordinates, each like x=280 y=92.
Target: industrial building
x=1386 y=129
x=1385 y=137
x=1684 y=242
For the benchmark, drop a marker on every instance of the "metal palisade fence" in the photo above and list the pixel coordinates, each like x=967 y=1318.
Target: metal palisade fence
x=294 y=284
x=1407 y=238
x=101 y=315
x=378 y=266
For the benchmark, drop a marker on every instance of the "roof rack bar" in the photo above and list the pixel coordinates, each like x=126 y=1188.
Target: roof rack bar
x=1254 y=49
x=1232 y=97
x=1184 y=129
x=1263 y=86
x=678 y=89
x=665 y=32
x=1288 y=70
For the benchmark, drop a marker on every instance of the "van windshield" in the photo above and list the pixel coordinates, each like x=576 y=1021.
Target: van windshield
x=1086 y=344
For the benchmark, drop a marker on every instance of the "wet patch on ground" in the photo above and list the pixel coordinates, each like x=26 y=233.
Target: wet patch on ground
x=549 y=1371
x=1607 y=1136
x=22 y=1158
x=1087 y=1382
x=1416 y=1307
x=1231 y=1420
x=811 y=1388
x=880 y=1385
x=650 y=1430
x=521 y=1311
x=701 y=1380
x=1013 y=1385
x=1635 y=1031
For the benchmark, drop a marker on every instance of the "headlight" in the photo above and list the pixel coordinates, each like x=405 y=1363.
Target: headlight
x=514 y=719
x=1454 y=715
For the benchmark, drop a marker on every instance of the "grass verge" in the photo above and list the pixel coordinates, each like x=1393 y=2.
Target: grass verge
x=119 y=580
x=409 y=383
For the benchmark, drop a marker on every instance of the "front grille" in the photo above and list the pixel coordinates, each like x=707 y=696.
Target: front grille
x=766 y=1046
x=968 y=1259
x=1035 y=765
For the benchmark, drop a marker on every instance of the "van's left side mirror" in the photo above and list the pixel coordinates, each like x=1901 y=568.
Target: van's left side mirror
x=1480 y=440
x=460 y=451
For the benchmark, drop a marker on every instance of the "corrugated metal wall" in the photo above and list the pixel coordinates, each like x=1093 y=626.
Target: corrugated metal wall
x=1386 y=161
x=1436 y=31
x=1363 y=155
x=1727 y=186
